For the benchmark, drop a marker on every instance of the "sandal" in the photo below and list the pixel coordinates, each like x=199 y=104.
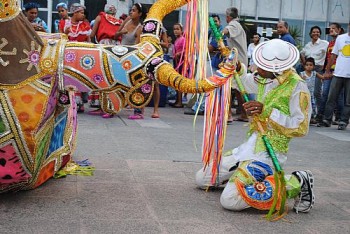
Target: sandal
x=96 y=112
x=135 y=116
x=155 y=116
x=241 y=120
x=107 y=116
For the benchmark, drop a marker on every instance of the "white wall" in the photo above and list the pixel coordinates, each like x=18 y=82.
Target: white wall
x=122 y=6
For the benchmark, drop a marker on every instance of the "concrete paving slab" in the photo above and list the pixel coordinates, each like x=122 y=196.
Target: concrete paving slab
x=144 y=183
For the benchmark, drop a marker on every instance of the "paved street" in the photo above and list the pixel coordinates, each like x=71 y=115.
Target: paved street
x=144 y=183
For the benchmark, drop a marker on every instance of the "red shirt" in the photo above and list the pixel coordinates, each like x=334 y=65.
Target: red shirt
x=108 y=26
x=79 y=32
x=61 y=25
x=329 y=53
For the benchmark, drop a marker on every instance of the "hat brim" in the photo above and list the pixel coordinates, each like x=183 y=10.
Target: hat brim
x=275 y=55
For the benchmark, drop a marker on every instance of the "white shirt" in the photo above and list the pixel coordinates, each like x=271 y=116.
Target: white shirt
x=237 y=39
x=291 y=122
x=250 y=50
x=342 y=50
x=317 y=50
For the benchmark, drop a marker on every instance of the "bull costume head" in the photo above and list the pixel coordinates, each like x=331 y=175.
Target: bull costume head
x=37 y=108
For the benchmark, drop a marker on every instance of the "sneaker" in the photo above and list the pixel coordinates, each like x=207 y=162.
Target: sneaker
x=80 y=109
x=342 y=125
x=319 y=118
x=335 y=122
x=326 y=123
x=189 y=111
x=306 y=198
x=313 y=121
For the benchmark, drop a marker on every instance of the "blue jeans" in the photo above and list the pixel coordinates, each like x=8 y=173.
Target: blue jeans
x=337 y=85
x=201 y=106
x=318 y=89
x=325 y=93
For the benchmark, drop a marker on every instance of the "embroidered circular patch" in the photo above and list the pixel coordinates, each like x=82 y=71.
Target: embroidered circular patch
x=127 y=65
x=152 y=27
x=146 y=88
x=34 y=57
x=87 y=62
x=149 y=26
x=98 y=78
x=47 y=65
x=119 y=50
x=70 y=57
x=261 y=191
x=137 y=98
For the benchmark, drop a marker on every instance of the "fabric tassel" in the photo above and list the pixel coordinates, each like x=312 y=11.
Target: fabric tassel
x=215 y=124
x=81 y=168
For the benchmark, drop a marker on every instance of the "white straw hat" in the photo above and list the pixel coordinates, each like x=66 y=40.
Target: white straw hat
x=275 y=55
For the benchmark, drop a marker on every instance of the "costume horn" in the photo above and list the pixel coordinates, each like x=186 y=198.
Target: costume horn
x=163 y=72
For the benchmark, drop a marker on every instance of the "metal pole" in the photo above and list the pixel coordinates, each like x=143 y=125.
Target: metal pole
x=304 y=23
x=49 y=14
x=328 y=16
x=256 y=9
x=281 y=8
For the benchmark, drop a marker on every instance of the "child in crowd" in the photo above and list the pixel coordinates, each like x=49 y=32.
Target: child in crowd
x=77 y=28
x=309 y=75
x=179 y=49
x=62 y=10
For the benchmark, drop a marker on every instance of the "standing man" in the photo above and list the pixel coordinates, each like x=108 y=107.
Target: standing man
x=341 y=78
x=283 y=31
x=236 y=37
x=251 y=47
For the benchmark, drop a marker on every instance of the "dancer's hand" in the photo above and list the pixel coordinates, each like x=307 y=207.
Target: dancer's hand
x=253 y=107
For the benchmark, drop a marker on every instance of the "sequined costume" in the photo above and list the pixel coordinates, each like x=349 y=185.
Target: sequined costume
x=248 y=169
x=38 y=76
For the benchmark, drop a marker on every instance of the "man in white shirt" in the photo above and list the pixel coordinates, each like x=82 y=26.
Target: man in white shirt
x=341 y=52
x=251 y=47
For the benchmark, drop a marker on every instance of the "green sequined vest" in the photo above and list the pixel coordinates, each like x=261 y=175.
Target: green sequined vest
x=277 y=98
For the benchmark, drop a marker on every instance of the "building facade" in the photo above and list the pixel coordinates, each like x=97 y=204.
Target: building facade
x=257 y=15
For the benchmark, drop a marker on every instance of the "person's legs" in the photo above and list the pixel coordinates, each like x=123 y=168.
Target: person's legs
x=344 y=118
x=178 y=102
x=325 y=92
x=156 y=99
x=79 y=101
x=229 y=114
x=228 y=165
x=334 y=90
x=231 y=199
x=253 y=185
x=340 y=107
x=318 y=93
x=318 y=88
x=138 y=114
x=243 y=115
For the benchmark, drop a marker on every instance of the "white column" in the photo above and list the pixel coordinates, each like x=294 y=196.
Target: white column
x=304 y=24
x=49 y=14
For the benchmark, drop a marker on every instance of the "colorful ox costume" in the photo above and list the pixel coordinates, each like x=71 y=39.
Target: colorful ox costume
x=285 y=114
x=37 y=109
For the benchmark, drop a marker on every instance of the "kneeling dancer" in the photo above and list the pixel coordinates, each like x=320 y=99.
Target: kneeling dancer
x=283 y=110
